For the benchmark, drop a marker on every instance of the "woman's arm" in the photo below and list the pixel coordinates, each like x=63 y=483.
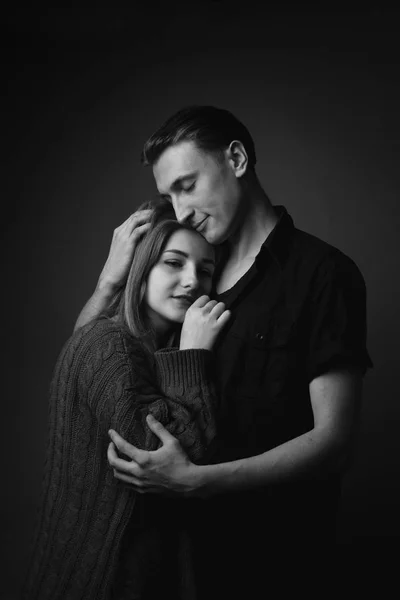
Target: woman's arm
x=119 y=384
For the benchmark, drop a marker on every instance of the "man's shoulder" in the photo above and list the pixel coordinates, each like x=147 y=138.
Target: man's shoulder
x=316 y=253
x=309 y=243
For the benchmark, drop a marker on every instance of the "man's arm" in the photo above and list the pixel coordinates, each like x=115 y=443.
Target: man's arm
x=335 y=399
x=116 y=268
x=97 y=303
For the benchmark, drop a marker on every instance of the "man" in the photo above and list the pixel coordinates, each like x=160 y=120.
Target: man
x=289 y=365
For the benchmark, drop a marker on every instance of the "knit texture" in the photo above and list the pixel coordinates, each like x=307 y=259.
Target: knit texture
x=106 y=379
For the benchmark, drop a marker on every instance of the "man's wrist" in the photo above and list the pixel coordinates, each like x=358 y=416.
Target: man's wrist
x=207 y=480
x=106 y=288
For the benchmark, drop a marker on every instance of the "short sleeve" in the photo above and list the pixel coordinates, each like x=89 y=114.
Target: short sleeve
x=338 y=318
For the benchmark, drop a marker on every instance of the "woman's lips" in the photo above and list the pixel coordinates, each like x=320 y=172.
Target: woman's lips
x=184 y=299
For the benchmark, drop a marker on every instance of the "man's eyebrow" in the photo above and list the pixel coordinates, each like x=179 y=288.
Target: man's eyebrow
x=205 y=260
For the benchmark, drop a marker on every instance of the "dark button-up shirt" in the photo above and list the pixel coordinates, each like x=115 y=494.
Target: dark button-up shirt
x=298 y=312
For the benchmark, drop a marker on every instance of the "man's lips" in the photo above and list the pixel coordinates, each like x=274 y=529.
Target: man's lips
x=199 y=225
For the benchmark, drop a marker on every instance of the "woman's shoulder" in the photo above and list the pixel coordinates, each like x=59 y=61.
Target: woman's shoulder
x=101 y=350
x=103 y=335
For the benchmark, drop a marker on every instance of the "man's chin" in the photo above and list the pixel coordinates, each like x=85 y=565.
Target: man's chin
x=209 y=236
x=214 y=238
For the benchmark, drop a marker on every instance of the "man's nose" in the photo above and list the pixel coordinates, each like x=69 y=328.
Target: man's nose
x=183 y=213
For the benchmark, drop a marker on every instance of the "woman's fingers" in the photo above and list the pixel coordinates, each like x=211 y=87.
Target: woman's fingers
x=217 y=309
x=224 y=318
x=210 y=305
x=200 y=302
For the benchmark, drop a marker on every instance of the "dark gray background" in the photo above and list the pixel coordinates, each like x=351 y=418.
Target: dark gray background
x=320 y=93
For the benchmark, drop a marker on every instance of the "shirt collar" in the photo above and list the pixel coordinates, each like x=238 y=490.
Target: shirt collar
x=278 y=241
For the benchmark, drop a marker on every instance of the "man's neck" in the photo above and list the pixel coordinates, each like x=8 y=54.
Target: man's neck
x=257 y=220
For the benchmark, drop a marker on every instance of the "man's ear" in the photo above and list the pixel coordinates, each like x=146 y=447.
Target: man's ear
x=237 y=157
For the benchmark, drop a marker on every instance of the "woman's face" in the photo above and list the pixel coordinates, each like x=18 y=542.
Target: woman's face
x=183 y=273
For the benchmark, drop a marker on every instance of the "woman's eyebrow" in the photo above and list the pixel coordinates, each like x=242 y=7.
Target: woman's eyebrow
x=205 y=260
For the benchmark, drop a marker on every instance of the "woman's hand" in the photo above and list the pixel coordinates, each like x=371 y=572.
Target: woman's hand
x=203 y=322
x=124 y=242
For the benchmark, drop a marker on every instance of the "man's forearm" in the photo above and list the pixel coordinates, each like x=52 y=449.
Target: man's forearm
x=308 y=455
x=99 y=301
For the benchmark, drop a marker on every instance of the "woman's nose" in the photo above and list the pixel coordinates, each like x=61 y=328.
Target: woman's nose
x=190 y=278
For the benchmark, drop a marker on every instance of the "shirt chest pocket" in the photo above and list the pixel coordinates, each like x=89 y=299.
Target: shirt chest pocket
x=265 y=356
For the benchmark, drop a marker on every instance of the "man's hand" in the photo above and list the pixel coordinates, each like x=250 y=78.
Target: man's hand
x=167 y=470
x=123 y=244
x=117 y=266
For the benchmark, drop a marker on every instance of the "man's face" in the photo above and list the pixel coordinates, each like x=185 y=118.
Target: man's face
x=203 y=190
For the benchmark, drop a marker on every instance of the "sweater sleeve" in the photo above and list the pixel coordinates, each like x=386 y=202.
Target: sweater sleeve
x=119 y=384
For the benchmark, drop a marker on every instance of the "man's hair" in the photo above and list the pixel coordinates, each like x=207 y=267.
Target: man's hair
x=129 y=307
x=211 y=129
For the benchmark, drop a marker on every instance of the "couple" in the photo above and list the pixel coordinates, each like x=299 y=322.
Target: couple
x=254 y=437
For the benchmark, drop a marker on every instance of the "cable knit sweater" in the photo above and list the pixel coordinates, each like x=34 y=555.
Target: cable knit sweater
x=106 y=379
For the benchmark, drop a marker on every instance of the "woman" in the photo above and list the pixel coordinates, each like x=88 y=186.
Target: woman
x=112 y=373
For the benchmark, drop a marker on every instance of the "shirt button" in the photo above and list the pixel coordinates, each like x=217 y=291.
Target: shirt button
x=259 y=336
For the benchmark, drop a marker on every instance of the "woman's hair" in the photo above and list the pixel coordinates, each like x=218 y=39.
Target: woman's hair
x=211 y=129
x=129 y=306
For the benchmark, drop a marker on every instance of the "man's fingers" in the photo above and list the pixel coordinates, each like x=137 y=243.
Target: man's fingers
x=123 y=446
x=159 y=430
x=137 y=483
x=120 y=464
x=140 y=230
x=140 y=216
